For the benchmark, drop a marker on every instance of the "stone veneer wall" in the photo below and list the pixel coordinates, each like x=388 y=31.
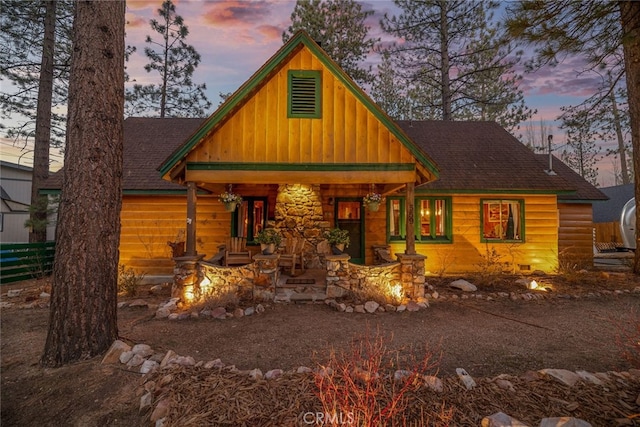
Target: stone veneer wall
x=298 y=213
x=343 y=276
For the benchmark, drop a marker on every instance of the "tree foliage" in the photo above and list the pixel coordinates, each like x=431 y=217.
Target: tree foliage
x=598 y=31
x=581 y=152
x=173 y=61
x=83 y=314
x=21 y=41
x=458 y=63
x=339 y=27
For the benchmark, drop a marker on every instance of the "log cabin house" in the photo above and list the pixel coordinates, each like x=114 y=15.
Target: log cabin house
x=302 y=144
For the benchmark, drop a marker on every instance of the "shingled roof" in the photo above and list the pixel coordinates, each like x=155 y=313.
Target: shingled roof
x=482 y=156
x=147 y=143
x=471 y=156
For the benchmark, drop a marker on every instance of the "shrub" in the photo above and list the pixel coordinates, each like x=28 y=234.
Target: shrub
x=128 y=280
x=360 y=386
x=627 y=337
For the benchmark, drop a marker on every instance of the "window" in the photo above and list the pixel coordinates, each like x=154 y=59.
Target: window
x=502 y=220
x=304 y=94
x=250 y=218
x=432 y=219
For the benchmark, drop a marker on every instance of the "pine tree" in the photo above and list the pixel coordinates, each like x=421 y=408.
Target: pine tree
x=176 y=95
x=339 y=27
x=581 y=151
x=34 y=54
x=597 y=31
x=83 y=314
x=457 y=60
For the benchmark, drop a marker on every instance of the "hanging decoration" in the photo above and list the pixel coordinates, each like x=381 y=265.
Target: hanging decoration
x=372 y=200
x=230 y=199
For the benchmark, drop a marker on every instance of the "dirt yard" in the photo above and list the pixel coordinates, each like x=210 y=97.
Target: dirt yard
x=574 y=327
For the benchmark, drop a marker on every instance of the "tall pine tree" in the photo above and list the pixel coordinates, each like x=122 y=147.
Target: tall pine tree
x=174 y=62
x=339 y=27
x=457 y=60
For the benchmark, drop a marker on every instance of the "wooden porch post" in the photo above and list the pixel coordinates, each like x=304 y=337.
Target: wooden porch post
x=410 y=219
x=191 y=219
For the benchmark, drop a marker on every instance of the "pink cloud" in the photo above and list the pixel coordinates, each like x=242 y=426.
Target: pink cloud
x=236 y=13
x=270 y=31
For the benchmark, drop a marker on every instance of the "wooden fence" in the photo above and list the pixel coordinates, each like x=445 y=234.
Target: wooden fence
x=23 y=261
x=608 y=232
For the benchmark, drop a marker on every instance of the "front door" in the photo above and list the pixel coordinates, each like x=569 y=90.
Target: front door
x=349 y=216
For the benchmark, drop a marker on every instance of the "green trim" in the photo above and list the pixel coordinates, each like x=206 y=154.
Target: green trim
x=299 y=39
x=522 y=224
x=447 y=239
x=301 y=103
x=304 y=167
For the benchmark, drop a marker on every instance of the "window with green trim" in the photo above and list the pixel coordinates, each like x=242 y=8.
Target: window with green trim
x=304 y=94
x=432 y=222
x=502 y=220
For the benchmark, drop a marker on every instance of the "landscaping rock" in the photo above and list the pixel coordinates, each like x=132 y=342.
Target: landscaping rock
x=148 y=366
x=359 y=308
x=139 y=303
x=273 y=374
x=466 y=379
x=146 y=401
x=500 y=419
x=249 y=311
x=168 y=358
x=434 y=383
x=135 y=361
x=125 y=356
x=563 y=422
x=219 y=313
x=161 y=410
x=401 y=308
x=401 y=375
x=589 y=377
x=463 y=285
x=563 y=376
x=13 y=293
x=259 y=309
x=113 y=354
x=143 y=350
x=238 y=312
x=371 y=306
x=256 y=374
x=304 y=370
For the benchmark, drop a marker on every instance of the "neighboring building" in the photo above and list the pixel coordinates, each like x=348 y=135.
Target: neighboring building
x=302 y=143
x=15 y=193
x=606 y=216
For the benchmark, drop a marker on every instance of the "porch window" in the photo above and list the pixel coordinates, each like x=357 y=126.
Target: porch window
x=502 y=220
x=432 y=219
x=250 y=218
x=304 y=94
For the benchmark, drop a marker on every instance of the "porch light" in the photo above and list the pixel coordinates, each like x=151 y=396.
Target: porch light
x=394 y=291
x=533 y=285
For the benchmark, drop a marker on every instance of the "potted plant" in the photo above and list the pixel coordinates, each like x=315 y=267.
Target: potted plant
x=372 y=201
x=337 y=238
x=230 y=200
x=269 y=239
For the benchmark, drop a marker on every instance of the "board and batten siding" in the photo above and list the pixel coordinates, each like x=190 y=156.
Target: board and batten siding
x=260 y=130
x=576 y=230
x=149 y=222
x=539 y=250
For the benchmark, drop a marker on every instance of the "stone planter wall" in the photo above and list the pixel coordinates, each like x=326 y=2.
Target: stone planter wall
x=190 y=284
x=412 y=277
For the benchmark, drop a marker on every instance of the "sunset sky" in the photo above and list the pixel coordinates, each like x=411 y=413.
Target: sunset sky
x=234 y=38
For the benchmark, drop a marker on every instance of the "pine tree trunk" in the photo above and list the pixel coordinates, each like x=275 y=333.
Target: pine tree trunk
x=630 y=18
x=83 y=320
x=38 y=213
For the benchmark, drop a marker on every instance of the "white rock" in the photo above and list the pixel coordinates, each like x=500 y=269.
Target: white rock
x=148 y=366
x=500 y=419
x=434 y=383
x=348 y=309
x=238 y=312
x=168 y=358
x=146 y=401
x=255 y=374
x=184 y=361
x=143 y=350
x=45 y=295
x=259 y=308
x=505 y=384
x=466 y=379
x=136 y=360
x=303 y=370
x=435 y=295
x=273 y=374
x=589 y=377
x=12 y=293
x=563 y=422
x=161 y=410
x=413 y=306
x=213 y=364
x=401 y=308
x=463 y=285
x=161 y=422
x=359 y=308
x=125 y=356
x=371 y=306
x=401 y=375
x=219 y=313
x=249 y=311
x=341 y=307
x=563 y=376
